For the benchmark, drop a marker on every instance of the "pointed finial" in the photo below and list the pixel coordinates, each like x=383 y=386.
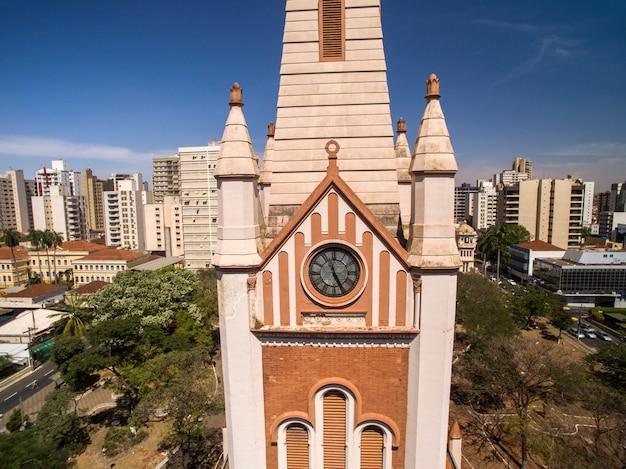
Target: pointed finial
x=236 y=95
x=401 y=125
x=271 y=129
x=432 y=87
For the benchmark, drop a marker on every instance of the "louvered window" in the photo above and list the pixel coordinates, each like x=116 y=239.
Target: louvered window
x=372 y=447
x=297 y=441
x=334 y=430
x=332 y=30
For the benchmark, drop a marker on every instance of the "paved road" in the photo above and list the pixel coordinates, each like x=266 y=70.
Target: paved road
x=33 y=396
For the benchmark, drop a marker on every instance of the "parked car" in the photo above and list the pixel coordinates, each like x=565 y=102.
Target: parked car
x=604 y=336
x=574 y=331
x=512 y=282
x=590 y=333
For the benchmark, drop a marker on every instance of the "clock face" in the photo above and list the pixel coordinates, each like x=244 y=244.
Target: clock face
x=334 y=272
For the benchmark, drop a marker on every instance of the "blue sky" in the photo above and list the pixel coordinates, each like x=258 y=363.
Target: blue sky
x=111 y=85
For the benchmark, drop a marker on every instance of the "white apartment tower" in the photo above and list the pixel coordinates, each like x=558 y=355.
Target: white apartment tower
x=58 y=175
x=484 y=207
x=14 y=201
x=198 y=198
x=336 y=331
x=164 y=227
x=124 y=213
x=62 y=212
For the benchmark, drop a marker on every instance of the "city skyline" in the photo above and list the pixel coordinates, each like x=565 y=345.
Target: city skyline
x=112 y=86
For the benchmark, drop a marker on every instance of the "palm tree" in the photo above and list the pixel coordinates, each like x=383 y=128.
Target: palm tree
x=11 y=238
x=57 y=241
x=47 y=241
x=36 y=238
x=76 y=318
x=496 y=240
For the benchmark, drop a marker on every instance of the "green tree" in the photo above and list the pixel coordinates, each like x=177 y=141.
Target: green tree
x=47 y=241
x=57 y=241
x=64 y=348
x=152 y=296
x=15 y=420
x=11 y=238
x=24 y=449
x=609 y=365
x=561 y=319
x=530 y=302
x=75 y=319
x=6 y=367
x=36 y=241
x=57 y=421
x=482 y=310
x=496 y=240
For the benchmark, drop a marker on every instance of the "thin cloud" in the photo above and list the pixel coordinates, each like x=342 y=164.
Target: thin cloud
x=25 y=146
x=548 y=43
x=594 y=150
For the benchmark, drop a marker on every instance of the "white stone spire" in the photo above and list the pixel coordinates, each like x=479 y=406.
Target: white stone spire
x=265 y=181
x=403 y=161
x=432 y=243
x=236 y=171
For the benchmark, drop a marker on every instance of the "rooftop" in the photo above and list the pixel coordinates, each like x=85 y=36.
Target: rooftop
x=20 y=253
x=110 y=254
x=538 y=245
x=91 y=287
x=35 y=291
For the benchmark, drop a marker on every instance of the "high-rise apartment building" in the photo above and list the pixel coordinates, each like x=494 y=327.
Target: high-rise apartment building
x=165 y=177
x=550 y=209
x=62 y=212
x=58 y=175
x=15 y=207
x=617 y=202
x=588 y=188
x=124 y=213
x=522 y=165
x=164 y=227
x=93 y=189
x=484 y=206
x=198 y=197
x=463 y=198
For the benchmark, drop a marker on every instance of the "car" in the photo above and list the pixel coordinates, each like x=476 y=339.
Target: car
x=604 y=336
x=574 y=331
x=511 y=282
x=590 y=334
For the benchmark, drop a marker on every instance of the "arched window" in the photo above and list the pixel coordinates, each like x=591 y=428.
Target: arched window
x=294 y=444
x=375 y=445
x=334 y=429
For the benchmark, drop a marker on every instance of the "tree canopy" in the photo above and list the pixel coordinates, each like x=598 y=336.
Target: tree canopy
x=494 y=242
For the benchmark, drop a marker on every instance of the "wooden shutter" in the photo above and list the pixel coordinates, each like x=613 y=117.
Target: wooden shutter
x=372 y=446
x=331 y=29
x=297 y=440
x=334 y=430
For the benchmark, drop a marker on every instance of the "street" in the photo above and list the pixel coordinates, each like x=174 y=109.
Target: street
x=42 y=379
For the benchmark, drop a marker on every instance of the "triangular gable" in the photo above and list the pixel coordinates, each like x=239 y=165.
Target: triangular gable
x=334 y=181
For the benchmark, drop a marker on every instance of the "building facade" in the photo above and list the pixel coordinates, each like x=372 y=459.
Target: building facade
x=550 y=209
x=124 y=213
x=165 y=177
x=336 y=332
x=61 y=212
x=164 y=227
x=466 y=239
x=14 y=202
x=198 y=196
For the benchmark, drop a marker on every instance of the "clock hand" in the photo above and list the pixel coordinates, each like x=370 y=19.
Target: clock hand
x=336 y=277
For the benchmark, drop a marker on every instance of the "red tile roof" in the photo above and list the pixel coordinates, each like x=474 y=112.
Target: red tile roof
x=80 y=246
x=38 y=290
x=20 y=253
x=538 y=245
x=112 y=255
x=91 y=287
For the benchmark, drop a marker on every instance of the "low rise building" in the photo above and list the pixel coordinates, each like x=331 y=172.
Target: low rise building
x=105 y=264
x=466 y=239
x=11 y=271
x=585 y=278
x=523 y=255
x=60 y=260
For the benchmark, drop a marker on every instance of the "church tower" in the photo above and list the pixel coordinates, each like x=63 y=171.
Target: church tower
x=336 y=262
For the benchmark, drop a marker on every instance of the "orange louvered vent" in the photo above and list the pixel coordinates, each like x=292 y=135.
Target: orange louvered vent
x=332 y=30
